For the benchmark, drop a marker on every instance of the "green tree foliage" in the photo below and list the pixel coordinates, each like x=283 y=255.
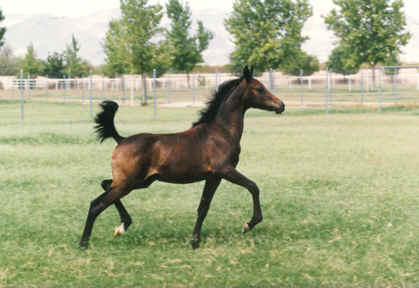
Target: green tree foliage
x=2 y=30
x=129 y=45
x=340 y=62
x=116 y=50
x=54 y=66
x=186 y=49
x=73 y=63
x=30 y=63
x=9 y=64
x=301 y=61
x=372 y=30
x=267 y=34
x=392 y=60
x=162 y=58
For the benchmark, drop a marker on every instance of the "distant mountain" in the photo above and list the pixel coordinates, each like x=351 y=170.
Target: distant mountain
x=51 y=34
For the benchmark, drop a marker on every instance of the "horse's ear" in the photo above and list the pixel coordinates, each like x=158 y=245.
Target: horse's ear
x=247 y=74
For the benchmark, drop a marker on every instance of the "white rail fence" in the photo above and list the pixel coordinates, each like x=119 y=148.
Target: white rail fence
x=386 y=85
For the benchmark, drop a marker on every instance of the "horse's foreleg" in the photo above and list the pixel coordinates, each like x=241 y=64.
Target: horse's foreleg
x=234 y=176
x=211 y=186
x=125 y=219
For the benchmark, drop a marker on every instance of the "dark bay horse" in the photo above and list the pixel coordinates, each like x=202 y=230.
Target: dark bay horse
x=208 y=151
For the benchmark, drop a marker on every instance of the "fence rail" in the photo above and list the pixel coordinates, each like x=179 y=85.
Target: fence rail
x=386 y=86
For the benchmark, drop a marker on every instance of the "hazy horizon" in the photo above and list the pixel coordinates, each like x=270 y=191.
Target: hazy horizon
x=320 y=43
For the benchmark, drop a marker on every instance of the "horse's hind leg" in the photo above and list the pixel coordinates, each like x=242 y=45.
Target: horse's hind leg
x=123 y=213
x=97 y=206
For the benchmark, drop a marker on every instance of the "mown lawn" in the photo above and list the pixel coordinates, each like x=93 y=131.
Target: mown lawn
x=339 y=192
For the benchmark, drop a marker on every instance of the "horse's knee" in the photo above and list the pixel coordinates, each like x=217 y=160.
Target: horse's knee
x=253 y=188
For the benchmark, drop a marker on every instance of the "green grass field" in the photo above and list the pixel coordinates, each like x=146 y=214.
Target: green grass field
x=339 y=192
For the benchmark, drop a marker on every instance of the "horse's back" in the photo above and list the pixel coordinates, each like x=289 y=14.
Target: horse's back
x=175 y=157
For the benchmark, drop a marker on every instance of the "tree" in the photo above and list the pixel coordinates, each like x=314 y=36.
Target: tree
x=54 y=66
x=116 y=50
x=372 y=30
x=73 y=62
x=301 y=61
x=267 y=33
x=162 y=58
x=9 y=64
x=340 y=62
x=30 y=63
x=142 y=23
x=186 y=50
x=130 y=44
x=2 y=30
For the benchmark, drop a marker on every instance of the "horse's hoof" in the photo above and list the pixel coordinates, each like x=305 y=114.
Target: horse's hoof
x=84 y=244
x=194 y=243
x=246 y=228
x=119 y=230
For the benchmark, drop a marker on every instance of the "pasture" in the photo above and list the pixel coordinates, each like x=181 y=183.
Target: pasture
x=339 y=194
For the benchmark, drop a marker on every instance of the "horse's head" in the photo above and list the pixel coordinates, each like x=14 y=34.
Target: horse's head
x=258 y=96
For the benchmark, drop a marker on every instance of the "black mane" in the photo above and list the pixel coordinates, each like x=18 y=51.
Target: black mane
x=218 y=98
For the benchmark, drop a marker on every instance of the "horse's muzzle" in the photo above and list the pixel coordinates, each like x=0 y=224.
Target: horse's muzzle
x=280 y=109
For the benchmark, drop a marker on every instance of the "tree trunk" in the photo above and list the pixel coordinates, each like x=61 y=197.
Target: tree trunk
x=373 y=77
x=144 y=83
x=188 y=79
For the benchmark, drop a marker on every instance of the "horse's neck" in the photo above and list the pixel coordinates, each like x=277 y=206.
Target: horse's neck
x=231 y=116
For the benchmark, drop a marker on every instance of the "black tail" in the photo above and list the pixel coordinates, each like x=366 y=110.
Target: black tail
x=105 y=127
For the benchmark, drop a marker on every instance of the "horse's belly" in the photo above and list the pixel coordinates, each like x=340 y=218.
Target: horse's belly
x=181 y=173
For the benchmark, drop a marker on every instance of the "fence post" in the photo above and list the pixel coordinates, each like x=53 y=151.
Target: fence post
x=46 y=88
x=64 y=88
x=271 y=79
x=417 y=76
x=22 y=96
x=154 y=95
x=193 y=90
x=395 y=84
x=302 y=87
x=124 y=88
x=29 y=86
x=362 y=86
x=169 y=84
x=380 y=89
x=327 y=90
x=132 y=91
x=83 y=88
x=91 y=94
x=102 y=93
x=216 y=80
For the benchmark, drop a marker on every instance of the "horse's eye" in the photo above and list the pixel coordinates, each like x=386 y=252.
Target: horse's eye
x=260 y=89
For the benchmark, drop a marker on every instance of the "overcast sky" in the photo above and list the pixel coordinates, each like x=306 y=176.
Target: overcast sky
x=86 y=7
x=76 y=8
